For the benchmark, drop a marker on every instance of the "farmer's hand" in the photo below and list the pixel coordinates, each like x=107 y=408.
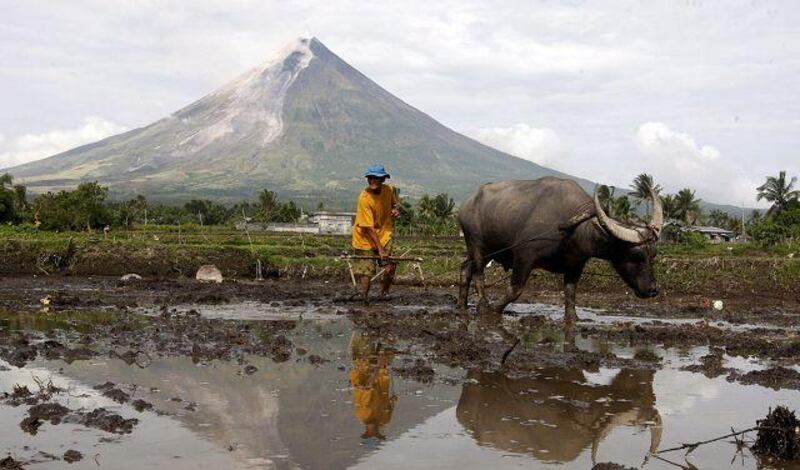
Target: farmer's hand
x=395 y=212
x=383 y=254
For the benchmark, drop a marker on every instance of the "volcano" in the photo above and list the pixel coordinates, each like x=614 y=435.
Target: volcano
x=305 y=125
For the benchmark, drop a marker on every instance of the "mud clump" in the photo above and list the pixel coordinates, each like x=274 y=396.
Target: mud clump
x=117 y=395
x=775 y=378
x=646 y=355
x=419 y=372
x=53 y=412
x=778 y=435
x=19 y=354
x=611 y=466
x=111 y=391
x=108 y=421
x=141 y=405
x=710 y=365
x=30 y=425
x=281 y=349
x=533 y=321
x=38 y=414
x=9 y=463
x=71 y=456
x=316 y=360
x=105 y=386
x=20 y=395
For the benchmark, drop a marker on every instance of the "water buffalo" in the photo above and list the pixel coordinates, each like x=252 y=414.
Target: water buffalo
x=531 y=415
x=552 y=224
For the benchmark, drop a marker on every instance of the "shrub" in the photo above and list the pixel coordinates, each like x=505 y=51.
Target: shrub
x=694 y=239
x=769 y=233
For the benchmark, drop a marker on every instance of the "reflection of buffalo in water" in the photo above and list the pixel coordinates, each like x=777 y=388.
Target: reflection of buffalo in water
x=557 y=415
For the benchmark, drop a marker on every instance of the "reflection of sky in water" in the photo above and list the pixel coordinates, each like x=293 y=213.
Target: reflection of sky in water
x=297 y=415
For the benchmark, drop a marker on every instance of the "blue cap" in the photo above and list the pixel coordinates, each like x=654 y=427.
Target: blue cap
x=377 y=170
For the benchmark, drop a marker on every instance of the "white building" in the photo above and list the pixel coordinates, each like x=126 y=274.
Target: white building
x=326 y=223
x=336 y=223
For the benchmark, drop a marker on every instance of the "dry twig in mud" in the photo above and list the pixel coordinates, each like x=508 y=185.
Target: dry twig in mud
x=693 y=445
x=508 y=352
x=688 y=466
x=46 y=389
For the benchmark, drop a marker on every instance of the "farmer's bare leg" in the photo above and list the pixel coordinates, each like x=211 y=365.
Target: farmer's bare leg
x=364 y=281
x=388 y=278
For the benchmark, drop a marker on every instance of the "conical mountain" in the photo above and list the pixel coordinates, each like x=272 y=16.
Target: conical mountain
x=304 y=125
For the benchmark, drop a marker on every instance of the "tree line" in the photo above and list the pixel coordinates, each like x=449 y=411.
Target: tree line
x=781 y=222
x=86 y=208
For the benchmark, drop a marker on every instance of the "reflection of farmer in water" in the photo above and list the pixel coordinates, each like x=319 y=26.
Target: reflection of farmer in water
x=372 y=395
x=558 y=414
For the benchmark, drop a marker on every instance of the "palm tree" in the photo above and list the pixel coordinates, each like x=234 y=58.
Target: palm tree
x=20 y=198
x=268 y=204
x=621 y=208
x=642 y=187
x=778 y=192
x=687 y=208
x=6 y=179
x=605 y=194
x=443 y=206
x=669 y=206
x=425 y=205
x=718 y=218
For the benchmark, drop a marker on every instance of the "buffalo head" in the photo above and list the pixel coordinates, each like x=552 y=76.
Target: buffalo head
x=634 y=248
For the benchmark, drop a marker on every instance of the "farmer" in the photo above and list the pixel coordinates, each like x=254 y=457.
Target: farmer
x=372 y=230
x=373 y=399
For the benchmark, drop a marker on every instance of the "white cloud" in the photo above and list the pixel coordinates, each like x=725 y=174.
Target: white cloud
x=539 y=145
x=590 y=70
x=30 y=147
x=678 y=161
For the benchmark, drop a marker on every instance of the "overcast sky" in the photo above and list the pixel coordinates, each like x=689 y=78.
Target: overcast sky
x=701 y=94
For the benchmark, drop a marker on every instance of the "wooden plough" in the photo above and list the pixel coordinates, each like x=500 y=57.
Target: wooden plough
x=416 y=264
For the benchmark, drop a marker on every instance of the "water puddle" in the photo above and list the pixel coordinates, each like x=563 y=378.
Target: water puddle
x=603 y=317
x=252 y=310
x=342 y=401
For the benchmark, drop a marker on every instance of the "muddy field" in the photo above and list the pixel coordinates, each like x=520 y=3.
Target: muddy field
x=295 y=374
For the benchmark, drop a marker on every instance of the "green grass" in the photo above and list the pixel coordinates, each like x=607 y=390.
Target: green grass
x=170 y=251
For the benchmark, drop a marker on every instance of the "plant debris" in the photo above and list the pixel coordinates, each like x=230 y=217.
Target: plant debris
x=778 y=435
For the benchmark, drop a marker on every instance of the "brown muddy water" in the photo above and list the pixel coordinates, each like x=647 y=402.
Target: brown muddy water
x=355 y=397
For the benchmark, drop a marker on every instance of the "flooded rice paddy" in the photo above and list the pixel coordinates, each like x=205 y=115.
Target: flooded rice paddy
x=378 y=388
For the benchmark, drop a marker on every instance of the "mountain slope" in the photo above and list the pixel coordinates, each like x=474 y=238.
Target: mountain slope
x=305 y=125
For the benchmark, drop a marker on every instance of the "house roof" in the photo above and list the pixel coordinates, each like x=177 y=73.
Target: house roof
x=708 y=230
x=333 y=214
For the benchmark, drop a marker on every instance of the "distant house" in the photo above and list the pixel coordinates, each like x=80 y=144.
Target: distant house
x=327 y=223
x=336 y=223
x=292 y=228
x=715 y=234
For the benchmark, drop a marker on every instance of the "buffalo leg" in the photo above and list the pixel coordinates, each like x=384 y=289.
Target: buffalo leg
x=571 y=278
x=519 y=277
x=466 y=280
